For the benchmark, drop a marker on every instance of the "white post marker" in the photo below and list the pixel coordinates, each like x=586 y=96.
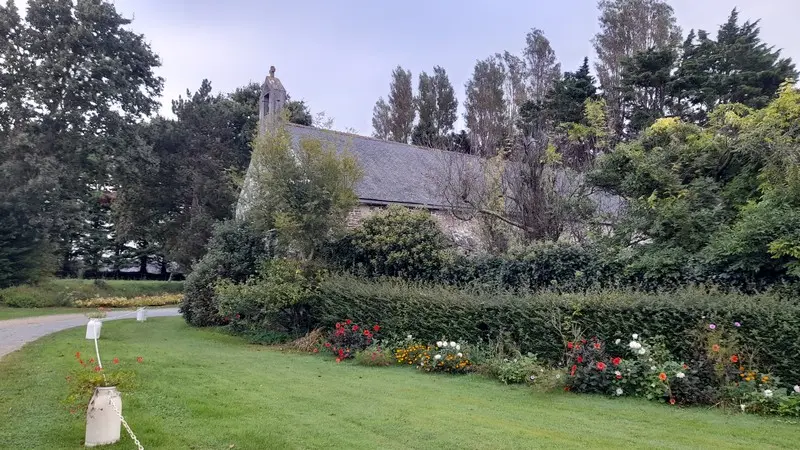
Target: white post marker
x=103 y=423
x=141 y=314
x=93 y=329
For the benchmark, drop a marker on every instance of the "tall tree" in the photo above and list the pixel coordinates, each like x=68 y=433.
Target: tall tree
x=425 y=131
x=381 y=120
x=542 y=68
x=485 y=107
x=626 y=28
x=446 y=102
x=736 y=68
x=401 y=105
x=565 y=102
x=87 y=80
x=647 y=87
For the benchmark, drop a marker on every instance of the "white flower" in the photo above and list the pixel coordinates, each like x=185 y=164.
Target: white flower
x=653 y=368
x=642 y=351
x=767 y=393
x=617 y=373
x=635 y=336
x=437 y=357
x=797 y=388
x=452 y=344
x=438 y=343
x=618 y=341
x=460 y=355
x=619 y=391
x=409 y=337
x=532 y=378
x=458 y=346
x=743 y=406
x=635 y=345
x=680 y=374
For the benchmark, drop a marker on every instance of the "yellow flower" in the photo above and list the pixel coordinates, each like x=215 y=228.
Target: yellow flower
x=764 y=379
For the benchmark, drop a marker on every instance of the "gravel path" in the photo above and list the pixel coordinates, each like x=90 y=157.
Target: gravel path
x=15 y=333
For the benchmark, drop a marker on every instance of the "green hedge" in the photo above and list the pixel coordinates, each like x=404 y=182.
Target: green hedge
x=769 y=323
x=63 y=292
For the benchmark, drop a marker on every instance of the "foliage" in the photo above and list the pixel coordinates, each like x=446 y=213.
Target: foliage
x=275 y=298
x=348 y=338
x=436 y=106
x=375 y=356
x=522 y=369
x=63 y=292
x=83 y=381
x=539 y=322
x=304 y=192
x=234 y=253
x=395 y=242
x=123 y=302
x=401 y=106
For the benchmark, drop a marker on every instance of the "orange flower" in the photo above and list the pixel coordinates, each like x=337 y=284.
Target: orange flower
x=734 y=359
x=715 y=347
x=116 y=361
x=764 y=379
x=662 y=376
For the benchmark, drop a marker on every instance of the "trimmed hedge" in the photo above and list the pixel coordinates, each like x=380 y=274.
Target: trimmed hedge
x=541 y=322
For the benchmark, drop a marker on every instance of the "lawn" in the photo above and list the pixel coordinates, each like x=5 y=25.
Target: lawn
x=201 y=389
x=16 y=313
x=62 y=292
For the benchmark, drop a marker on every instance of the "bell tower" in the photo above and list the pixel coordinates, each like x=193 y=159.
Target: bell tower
x=273 y=98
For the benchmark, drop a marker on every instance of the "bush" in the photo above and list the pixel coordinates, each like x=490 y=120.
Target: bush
x=395 y=242
x=374 y=356
x=522 y=369
x=276 y=299
x=64 y=292
x=539 y=322
x=122 y=302
x=348 y=338
x=235 y=252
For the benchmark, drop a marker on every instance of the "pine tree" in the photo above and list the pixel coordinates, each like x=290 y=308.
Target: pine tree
x=647 y=86
x=565 y=102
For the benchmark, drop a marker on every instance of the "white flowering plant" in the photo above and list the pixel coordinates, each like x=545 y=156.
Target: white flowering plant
x=445 y=356
x=648 y=370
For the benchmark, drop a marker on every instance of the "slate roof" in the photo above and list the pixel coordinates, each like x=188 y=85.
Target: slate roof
x=393 y=172
x=396 y=173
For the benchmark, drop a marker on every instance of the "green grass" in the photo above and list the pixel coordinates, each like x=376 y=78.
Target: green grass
x=17 y=313
x=201 y=389
x=62 y=292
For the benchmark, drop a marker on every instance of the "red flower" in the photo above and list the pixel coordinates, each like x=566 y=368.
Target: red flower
x=572 y=370
x=328 y=344
x=734 y=359
x=619 y=377
x=566 y=388
x=376 y=328
x=338 y=325
x=672 y=401
x=338 y=360
x=685 y=366
x=601 y=365
x=662 y=376
x=81 y=361
x=355 y=327
x=116 y=361
x=583 y=341
x=616 y=361
x=316 y=350
x=580 y=359
x=139 y=359
x=78 y=355
x=238 y=316
x=367 y=333
x=97 y=368
x=597 y=346
x=91 y=360
x=348 y=321
x=341 y=353
x=570 y=345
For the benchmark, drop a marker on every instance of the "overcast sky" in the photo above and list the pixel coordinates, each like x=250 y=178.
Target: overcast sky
x=338 y=55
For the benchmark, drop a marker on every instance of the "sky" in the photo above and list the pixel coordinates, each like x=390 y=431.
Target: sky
x=338 y=55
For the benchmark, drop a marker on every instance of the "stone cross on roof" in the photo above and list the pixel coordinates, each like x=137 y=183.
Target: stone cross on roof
x=272 y=71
